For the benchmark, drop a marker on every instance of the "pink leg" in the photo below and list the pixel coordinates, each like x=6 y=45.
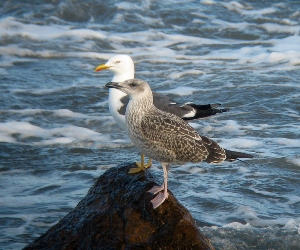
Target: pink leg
x=156 y=189
x=160 y=197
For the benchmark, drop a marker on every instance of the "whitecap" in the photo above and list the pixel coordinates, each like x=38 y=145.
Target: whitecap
x=250 y=216
x=240 y=143
x=233 y=5
x=62 y=140
x=278 y=28
x=291 y=225
x=59 y=135
x=69 y=113
x=24 y=129
x=237 y=225
x=9 y=27
x=182 y=91
x=293 y=199
x=176 y=75
x=231 y=126
x=208 y=2
x=295 y=161
x=287 y=142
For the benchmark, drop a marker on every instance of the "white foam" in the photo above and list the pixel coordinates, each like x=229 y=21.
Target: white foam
x=206 y=129
x=264 y=193
x=277 y=52
x=292 y=225
x=238 y=226
x=243 y=170
x=69 y=113
x=295 y=161
x=232 y=127
x=136 y=6
x=287 y=142
x=6 y=138
x=234 y=6
x=182 y=91
x=287 y=44
x=229 y=25
x=259 y=12
x=59 y=135
x=251 y=217
x=176 y=75
x=278 y=28
x=24 y=129
x=9 y=26
x=15 y=50
x=23 y=111
x=159 y=42
x=293 y=199
x=63 y=140
x=236 y=143
x=208 y=2
x=170 y=56
x=243 y=10
x=79 y=133
x=66 y=113
x=195 y=170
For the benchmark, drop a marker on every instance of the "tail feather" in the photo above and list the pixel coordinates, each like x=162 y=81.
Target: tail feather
x=205 y=111
x=233 y=155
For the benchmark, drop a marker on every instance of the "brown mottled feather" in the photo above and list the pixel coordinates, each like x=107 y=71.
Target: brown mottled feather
x=175 y=135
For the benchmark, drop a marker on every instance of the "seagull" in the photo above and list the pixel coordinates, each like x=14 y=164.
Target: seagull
x=123 y=68
x=165 y=137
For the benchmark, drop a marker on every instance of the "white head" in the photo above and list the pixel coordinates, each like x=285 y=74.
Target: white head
x=121 y=65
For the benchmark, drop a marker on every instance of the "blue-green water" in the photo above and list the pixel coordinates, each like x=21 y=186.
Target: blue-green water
x=57 y=136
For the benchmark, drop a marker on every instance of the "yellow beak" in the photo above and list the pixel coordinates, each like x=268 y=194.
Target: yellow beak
x=101 y=67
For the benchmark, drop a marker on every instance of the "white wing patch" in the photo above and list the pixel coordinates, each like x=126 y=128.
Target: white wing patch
x=192 y=113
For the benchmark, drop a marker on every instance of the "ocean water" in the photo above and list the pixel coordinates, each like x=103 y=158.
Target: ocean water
x=57 y=136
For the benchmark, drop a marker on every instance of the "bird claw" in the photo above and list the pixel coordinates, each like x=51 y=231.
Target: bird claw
x=156 y=189
x=135 y=170
x=141 y=166
x=159 y=199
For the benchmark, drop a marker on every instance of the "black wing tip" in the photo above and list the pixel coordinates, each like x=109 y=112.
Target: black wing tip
x=204 y=106
x=215 y=105
x=205 y=113
x=233 y=155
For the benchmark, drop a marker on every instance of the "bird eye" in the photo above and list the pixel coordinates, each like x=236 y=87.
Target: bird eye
x=132 y=84
x=117 y=62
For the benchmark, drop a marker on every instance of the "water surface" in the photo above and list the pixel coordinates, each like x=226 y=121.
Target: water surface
x=57 y=136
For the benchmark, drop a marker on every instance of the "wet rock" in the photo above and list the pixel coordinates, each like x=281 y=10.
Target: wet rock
x=117 y=214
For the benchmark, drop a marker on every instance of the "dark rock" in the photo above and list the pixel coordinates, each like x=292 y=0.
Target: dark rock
x=117 y=214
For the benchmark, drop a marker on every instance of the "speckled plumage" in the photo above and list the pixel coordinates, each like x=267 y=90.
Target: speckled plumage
x=163 y=136
x=123 y=68
x=167 y=138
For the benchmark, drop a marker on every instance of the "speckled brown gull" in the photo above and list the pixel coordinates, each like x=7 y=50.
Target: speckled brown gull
x=123 y=68
x=163 y=136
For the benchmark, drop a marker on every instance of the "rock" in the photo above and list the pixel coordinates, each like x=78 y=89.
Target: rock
x=117 y=214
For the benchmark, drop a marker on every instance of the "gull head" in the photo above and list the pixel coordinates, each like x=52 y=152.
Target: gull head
x=121 y=65
x=135 y=88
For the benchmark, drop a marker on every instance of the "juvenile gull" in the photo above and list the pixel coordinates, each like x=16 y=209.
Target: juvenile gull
x=165 y=137
x=123 y=68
